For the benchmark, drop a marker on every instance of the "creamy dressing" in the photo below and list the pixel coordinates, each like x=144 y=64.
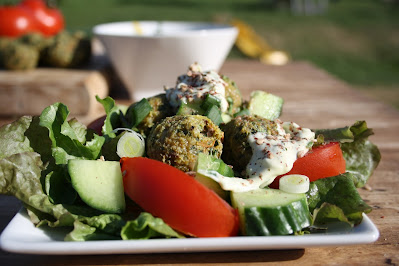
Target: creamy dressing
x=195 y=85
x=272 y=156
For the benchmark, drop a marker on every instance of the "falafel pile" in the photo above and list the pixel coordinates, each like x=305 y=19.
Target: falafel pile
x=64 y=50
x=177 y=138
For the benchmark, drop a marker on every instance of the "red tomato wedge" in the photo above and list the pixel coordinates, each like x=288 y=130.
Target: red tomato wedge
x=323 y=161
x=181 y=201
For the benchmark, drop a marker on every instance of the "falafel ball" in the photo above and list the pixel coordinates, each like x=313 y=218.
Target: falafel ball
x=233 y=95
x=67 y=50
x=36 y=40
x=178 y=140
x=237 y=151
x=19 y=56
x=4 y=42
x=160 y=110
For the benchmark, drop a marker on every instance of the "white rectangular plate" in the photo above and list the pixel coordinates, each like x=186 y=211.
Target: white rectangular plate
x=21 y=236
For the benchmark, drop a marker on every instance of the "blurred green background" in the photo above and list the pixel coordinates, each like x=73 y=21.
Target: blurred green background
x=355 y=40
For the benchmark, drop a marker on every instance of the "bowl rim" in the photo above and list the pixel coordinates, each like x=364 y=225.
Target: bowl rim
x=207 y=29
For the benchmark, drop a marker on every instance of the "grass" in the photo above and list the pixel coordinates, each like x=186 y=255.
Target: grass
x=357 y=41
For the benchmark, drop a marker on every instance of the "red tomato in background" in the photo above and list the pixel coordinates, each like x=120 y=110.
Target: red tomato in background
x=50 y=21
x=323 y=161
x=181 y=201
x=16 y=21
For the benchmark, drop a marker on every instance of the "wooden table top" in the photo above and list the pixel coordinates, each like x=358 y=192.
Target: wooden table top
x=313 y=99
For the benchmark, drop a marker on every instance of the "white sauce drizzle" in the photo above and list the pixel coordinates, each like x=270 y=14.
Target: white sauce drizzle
x=195 y=85
x=272 y=156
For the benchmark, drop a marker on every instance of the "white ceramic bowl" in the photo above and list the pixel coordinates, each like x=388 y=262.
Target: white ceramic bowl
x=149 y=55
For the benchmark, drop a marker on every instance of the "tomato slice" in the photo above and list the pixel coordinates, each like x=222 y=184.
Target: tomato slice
x=181 y=201
x=323 y=161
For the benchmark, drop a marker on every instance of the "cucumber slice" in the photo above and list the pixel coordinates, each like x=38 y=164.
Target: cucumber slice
x=265 y=212
x=265 y=105
x=212 y=185
x=207 y=163
x=98 y=183
x=294 y=183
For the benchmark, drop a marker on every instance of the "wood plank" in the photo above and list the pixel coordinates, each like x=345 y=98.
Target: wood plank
x=29 y=92
x=315 y=99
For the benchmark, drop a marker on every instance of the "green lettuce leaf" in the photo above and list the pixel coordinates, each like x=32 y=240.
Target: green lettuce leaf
x=85 y=232
x=20 y=175
x=79 y=129
x=65 y=140
x=39 y=140
x=341 y=192
x=362 y=156
x=112 y=112
x=111 y=227
x=12 y=138
x=58 y=186
x=101 y=227
x=147 y=226
x=329 y=213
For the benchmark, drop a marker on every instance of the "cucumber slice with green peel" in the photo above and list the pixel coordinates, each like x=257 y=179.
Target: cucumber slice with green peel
x=266 y=212
x=98 y=183
x=212 y=185
x=265 y=104
x=207 y=163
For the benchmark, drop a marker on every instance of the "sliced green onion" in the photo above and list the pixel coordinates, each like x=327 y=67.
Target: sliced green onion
x=294 y=183
x=131 y=144
x=226 y=118
x=214 y=114
x=209 y=101
x=242 y=112
x=138 y=111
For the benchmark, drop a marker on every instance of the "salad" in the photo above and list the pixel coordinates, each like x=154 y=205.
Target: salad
x=195 y=161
